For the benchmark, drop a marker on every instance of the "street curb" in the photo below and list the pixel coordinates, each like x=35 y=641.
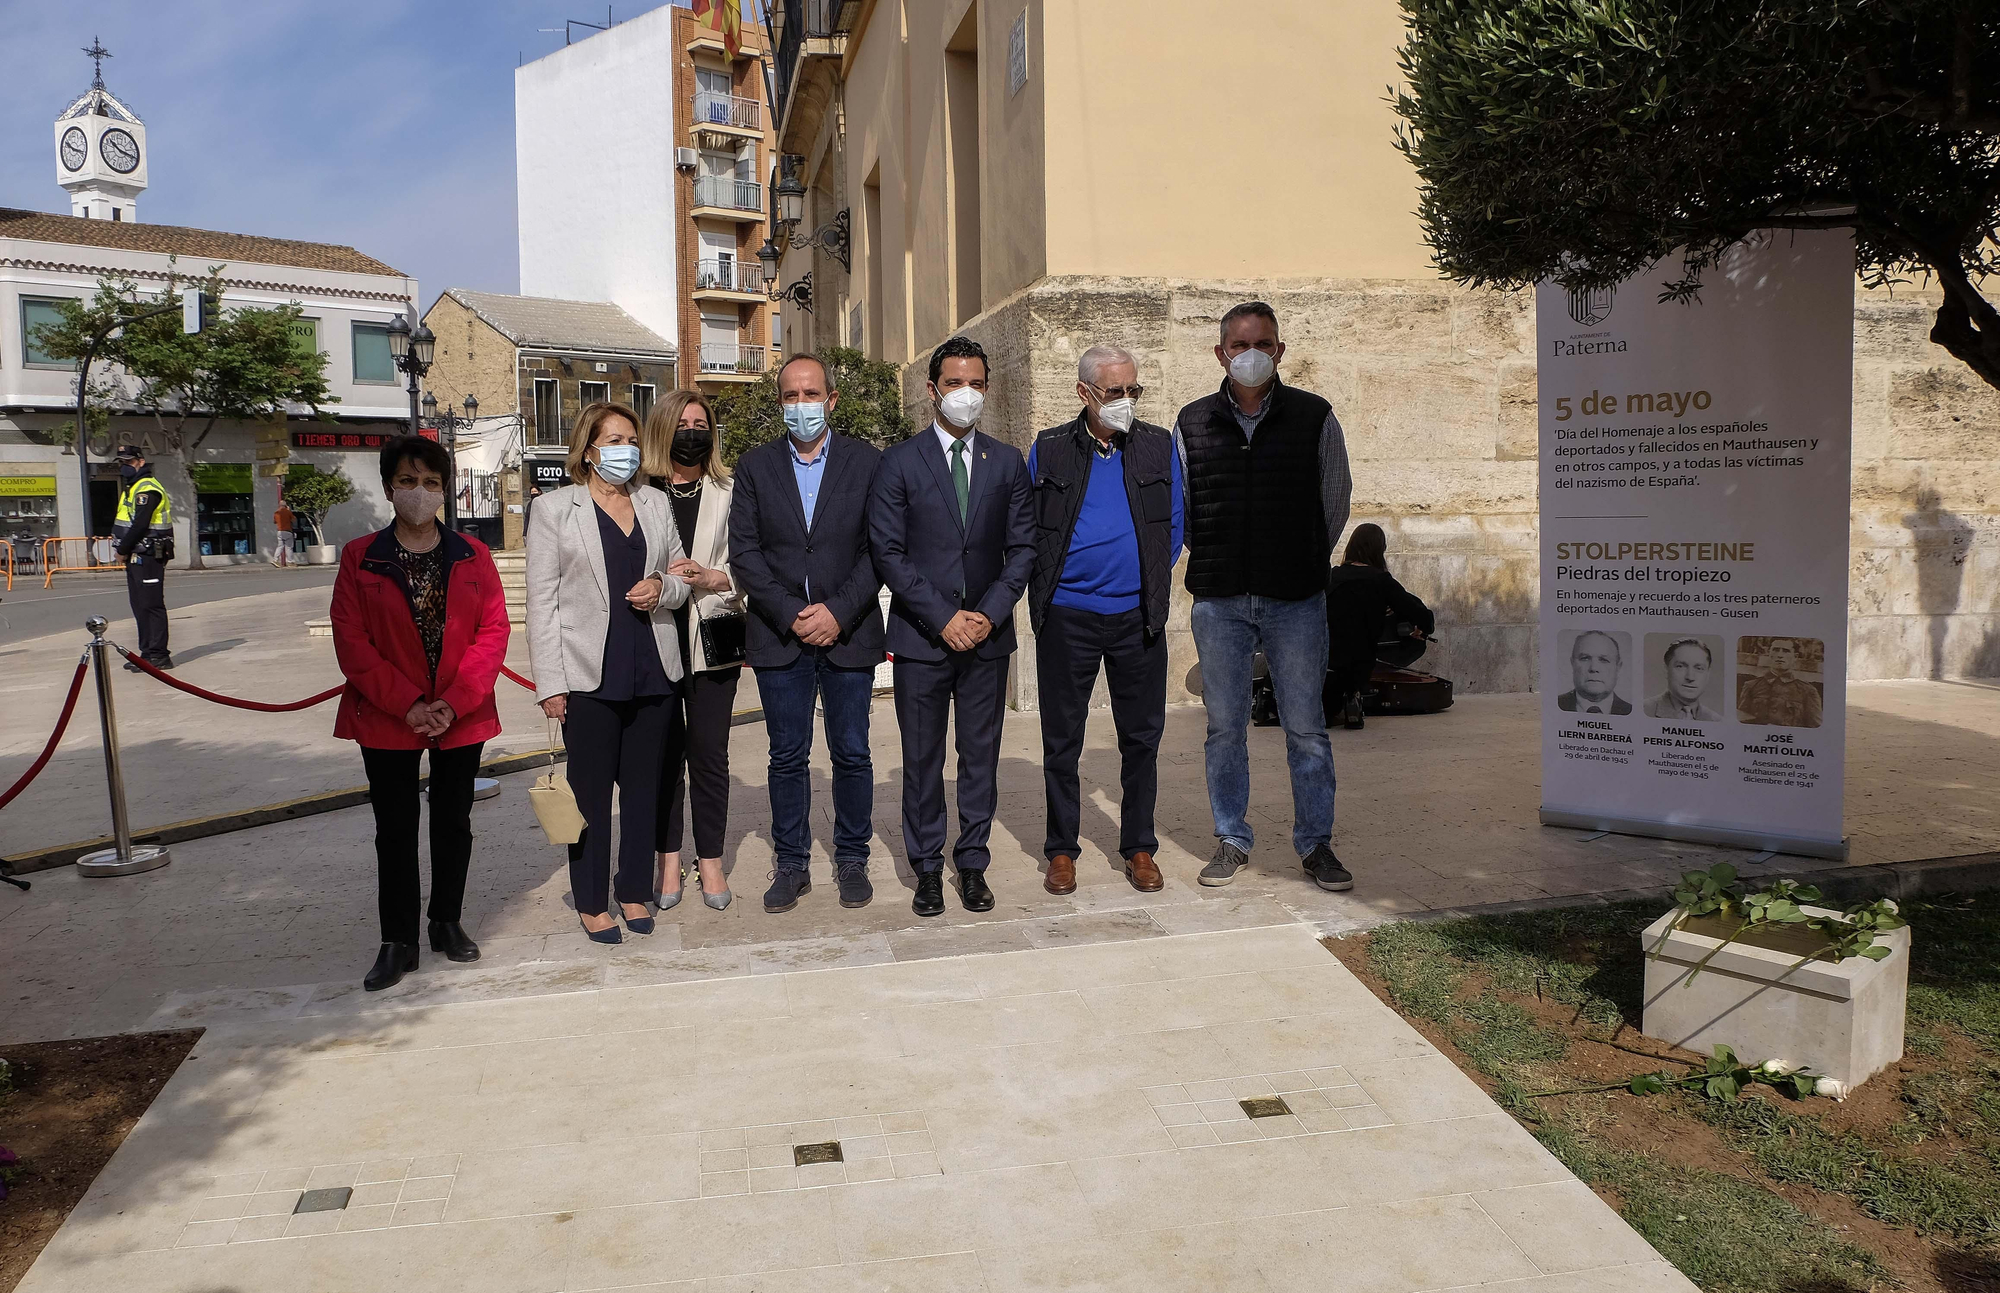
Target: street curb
x=329 y=801
x=1920 y=877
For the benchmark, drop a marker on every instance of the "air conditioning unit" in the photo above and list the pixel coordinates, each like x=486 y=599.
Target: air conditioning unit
x=686 y=158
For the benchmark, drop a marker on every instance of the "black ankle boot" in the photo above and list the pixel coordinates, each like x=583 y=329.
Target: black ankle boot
x=449 y=937
x=391 y=963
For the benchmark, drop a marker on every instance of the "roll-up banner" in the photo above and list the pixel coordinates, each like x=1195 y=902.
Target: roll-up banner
x=1694 y=514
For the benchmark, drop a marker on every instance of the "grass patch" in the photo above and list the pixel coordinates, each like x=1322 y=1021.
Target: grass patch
x=1726 y=1234
x=1891 y=1188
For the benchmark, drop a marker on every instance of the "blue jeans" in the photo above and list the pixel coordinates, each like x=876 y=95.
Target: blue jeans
x=1292 y=636
x=787 y=695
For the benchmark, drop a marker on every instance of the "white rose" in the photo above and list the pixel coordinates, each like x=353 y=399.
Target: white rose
x=1889 y=905
x=1779 y=1068
x=1832 y=1088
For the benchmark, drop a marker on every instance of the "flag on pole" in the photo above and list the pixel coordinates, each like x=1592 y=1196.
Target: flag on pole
x=725 y=17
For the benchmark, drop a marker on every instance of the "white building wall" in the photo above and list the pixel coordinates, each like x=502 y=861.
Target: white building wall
x=33 y=399
x=594 y=170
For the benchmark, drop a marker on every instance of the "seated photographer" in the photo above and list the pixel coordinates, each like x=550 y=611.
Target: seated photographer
x=1369 y=617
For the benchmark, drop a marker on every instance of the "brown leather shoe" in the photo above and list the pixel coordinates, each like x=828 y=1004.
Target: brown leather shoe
x=1145 y=876
x=1062 y=874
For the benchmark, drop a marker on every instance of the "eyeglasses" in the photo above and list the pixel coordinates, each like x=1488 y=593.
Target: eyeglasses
x=1110 y=393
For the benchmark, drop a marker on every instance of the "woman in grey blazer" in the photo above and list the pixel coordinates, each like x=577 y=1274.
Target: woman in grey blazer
x=606 y=657
x=684 y=457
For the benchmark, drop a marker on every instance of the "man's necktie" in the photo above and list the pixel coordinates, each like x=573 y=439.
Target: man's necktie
x=961 y=479
x=1593 y=710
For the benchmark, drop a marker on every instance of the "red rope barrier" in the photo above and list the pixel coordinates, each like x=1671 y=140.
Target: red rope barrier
x=515 y=677
x=258 y=705
x=69 y=707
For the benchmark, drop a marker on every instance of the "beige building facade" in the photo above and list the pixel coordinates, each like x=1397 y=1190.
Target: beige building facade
x=1044 y=175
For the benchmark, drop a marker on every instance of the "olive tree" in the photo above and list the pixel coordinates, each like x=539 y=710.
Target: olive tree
x=1584 y=140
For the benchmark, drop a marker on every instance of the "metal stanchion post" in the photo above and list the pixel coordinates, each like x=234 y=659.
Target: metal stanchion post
x=123 y=859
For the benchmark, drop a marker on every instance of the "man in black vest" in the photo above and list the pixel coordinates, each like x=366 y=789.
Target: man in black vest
x=1267 y=494
x=1107 y=530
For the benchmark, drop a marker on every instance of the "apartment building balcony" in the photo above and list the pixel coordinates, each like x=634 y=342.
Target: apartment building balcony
x=812 y=40
x=729 y=280
x=728 y=114
x=725 y=197
x=727 y=361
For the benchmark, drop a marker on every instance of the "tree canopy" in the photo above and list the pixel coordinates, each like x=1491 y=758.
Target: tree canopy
x=312 y=493
x=1584 y=140
x=870 y=406
x=247 y=365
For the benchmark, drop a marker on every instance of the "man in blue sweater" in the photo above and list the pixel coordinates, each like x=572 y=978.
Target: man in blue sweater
x=1108 y=530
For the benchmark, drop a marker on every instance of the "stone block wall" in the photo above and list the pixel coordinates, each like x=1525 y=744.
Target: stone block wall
x=1435 y=387
x=470 y=359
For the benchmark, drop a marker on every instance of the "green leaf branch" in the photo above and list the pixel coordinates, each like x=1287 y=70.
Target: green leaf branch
x=1781 y=904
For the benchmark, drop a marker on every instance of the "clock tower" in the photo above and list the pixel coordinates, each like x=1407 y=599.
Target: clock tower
x=101 y=151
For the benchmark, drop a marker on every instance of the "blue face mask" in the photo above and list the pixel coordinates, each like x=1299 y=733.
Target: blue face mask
x=805 y=422
x=618 y=463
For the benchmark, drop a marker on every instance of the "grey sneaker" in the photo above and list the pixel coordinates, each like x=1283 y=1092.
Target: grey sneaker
x=1326 y=871
x=1222 y=868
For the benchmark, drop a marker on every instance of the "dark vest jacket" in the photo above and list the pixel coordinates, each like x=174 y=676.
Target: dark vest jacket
x=1255 y=521
x=1064 y=456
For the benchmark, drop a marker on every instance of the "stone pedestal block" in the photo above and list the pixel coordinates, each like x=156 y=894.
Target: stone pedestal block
x=1843 y=1019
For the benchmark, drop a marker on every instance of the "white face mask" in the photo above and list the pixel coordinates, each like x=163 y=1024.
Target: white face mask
x=1252 y=368
x=961 y=407
x=415 y=507
x=1118 y=414
x=618 y=463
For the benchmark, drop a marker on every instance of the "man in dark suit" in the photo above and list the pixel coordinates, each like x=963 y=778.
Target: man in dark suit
x=799 y=550
x=952 y=524
x=1595 y=659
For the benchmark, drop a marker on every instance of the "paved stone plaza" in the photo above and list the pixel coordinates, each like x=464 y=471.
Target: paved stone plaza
x=1058 y=1118
x=568 y=1116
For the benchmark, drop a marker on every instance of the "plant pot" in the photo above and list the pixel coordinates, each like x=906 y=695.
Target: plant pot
x=1770 y=996
x=322 y=554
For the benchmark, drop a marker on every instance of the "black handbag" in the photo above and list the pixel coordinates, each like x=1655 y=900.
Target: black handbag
x=722 y=639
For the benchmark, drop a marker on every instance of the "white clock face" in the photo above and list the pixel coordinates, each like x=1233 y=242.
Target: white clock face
x=75 y=149
x=120 y=151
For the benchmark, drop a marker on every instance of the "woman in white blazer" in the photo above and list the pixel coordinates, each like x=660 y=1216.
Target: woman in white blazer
x=684 y=458
x=606 y=654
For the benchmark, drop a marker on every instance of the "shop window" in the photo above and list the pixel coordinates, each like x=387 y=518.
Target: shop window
x=27 y=514
x=36 y=311
x=372 y=362
x=225 y=520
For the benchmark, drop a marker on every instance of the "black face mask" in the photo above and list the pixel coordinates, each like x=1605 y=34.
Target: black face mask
x=127 y=472
x=692 y=446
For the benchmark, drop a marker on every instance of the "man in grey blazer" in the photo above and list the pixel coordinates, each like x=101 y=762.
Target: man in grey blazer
x=951 y=520
x=798 y=543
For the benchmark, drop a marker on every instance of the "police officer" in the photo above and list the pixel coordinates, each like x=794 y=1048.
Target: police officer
x=144 y=533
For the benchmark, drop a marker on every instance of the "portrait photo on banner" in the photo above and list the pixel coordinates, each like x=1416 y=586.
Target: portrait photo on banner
x=1684 y=677
x=1779 y=681
x=1598 y=662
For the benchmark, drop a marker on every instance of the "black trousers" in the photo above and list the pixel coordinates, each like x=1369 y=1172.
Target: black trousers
x=928 y=694
x=618 y=743
x=1068 y=650
x=146 y=589
x=699 y=742
x=392 y=791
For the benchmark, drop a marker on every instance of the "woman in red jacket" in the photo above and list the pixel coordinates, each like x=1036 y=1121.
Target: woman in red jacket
x=420 y=630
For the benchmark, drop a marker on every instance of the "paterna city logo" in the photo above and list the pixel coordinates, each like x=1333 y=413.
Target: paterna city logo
x=1590 y=306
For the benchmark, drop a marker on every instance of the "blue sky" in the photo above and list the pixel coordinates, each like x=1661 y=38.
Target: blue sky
x=386 y=125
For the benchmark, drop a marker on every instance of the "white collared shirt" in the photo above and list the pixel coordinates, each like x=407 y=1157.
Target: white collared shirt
x=946 y=440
